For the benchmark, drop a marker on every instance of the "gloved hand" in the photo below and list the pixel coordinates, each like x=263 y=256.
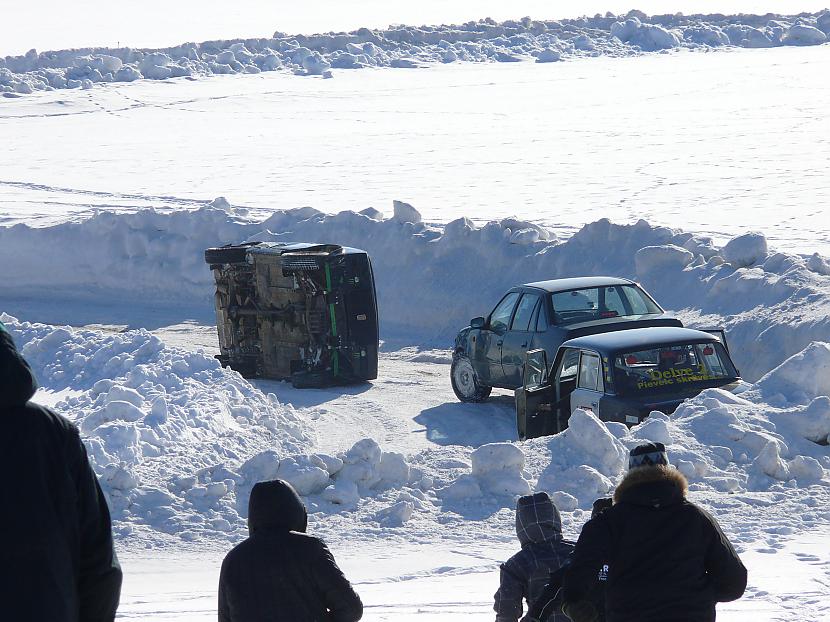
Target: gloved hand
x=580 y=611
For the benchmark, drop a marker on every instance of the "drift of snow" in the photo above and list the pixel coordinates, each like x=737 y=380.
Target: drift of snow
x=178 y=442
x=408 y=47
x=771 y=309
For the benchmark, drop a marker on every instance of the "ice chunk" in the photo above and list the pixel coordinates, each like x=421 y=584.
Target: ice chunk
x=802 y=34
x=656 y=259
x=307 y=474
x=587 y=433
x=770 y=463
x=395 y=515
x=404 y=212
x=549 y=55
x=745 y=250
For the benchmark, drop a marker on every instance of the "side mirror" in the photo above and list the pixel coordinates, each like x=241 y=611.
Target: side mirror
x=477 y=322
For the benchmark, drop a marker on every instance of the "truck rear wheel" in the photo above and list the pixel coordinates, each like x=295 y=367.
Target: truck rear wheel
x=233 y=253
x=465 y=382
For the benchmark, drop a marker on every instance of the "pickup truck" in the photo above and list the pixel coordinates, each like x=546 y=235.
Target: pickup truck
x=300 y=312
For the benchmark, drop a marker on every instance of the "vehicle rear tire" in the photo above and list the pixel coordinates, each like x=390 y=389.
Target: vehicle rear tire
x=227 y=254
x=465 y=382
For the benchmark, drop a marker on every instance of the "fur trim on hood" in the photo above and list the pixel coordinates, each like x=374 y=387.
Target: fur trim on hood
x=666 y=478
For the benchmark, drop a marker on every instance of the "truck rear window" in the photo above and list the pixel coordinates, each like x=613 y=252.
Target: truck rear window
x=671 y=368
x=596 y=303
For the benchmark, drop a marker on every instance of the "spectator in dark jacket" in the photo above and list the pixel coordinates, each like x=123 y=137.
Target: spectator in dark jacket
x=664 y=558
x=280 y=574
x=57 y=562
x=539 y=528
x=550 y=601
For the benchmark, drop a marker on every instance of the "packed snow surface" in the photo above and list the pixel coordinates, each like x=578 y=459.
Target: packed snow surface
x=409 y=47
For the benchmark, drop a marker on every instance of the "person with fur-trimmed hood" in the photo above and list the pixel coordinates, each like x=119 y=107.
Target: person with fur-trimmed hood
x=664 y=559
x=544 y=550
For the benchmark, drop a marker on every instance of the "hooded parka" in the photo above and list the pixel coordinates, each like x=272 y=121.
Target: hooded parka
x=539 y=528
x=57 y=561
x=280 y=574
x=664 y=558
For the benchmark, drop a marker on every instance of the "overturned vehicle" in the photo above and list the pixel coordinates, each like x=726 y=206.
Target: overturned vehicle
x=300 y=312
x=621 y=376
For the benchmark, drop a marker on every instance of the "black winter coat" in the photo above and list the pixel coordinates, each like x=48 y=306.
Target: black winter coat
x=665 y=559
x=280 y=574
x=526 y=574
x=57 y=562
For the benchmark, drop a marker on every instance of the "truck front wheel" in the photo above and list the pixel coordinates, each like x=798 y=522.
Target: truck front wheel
x=465 y=382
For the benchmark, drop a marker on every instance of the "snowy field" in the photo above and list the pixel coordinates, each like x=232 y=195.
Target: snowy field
x=108 y=196
x=688 y=140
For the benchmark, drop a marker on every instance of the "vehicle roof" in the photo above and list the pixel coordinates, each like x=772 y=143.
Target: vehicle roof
x=287 y=247
x=580 y=282
x=634 y=338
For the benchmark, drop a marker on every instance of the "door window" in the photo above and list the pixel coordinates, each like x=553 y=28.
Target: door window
x=589 y=372
x=570 y=365
x=536 y=369
x=500 y=317
x=521 y=320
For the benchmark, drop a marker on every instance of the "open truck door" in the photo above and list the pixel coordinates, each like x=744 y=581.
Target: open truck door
x=720 y=333
x=534 y=416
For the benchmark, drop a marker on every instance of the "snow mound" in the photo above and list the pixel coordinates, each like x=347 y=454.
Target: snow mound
x=178 y=442
x=757 y=453
x=409 y=47
x=802 y=377
x=745 y=250
x=648 y=37
x=771 y=309
x=496 y=471
x=803 y=34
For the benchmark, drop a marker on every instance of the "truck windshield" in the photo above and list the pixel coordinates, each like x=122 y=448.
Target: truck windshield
x=595 y=303
x=671 y=368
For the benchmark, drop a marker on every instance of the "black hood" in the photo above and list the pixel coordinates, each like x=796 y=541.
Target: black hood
x=276 y=505
x=537 y=519
x=17 y=382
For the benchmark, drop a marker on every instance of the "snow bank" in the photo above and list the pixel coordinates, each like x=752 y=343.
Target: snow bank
x=739 y=455
x=773 y=304
x=407 y=47
x=801 y=378
x=178 y=442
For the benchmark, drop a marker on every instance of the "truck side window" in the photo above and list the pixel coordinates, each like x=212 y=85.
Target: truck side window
x=539 y=321
x=500 y=317
x=521 y=320
x=570 y=365
x=589 y=372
